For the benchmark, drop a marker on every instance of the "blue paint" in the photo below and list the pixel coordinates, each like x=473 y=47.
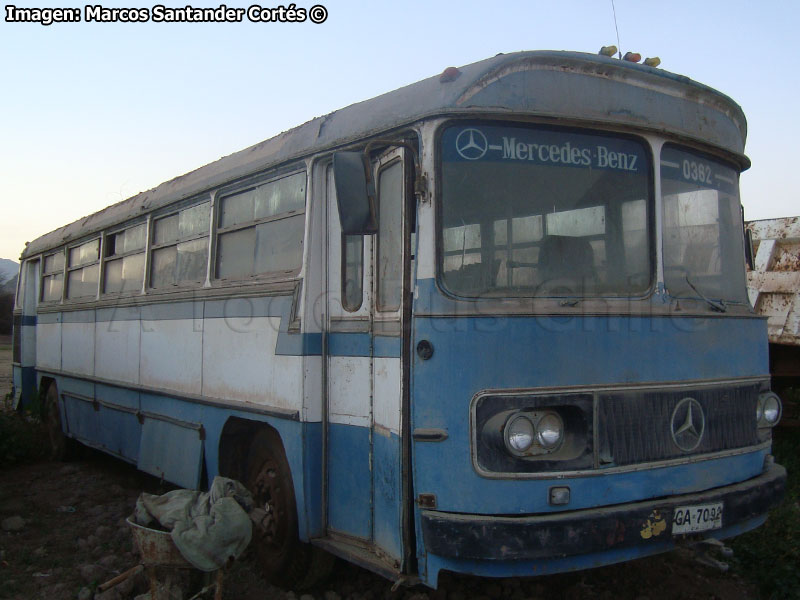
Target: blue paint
x=16 y=381
x=121 y=431
x=485 y=568
x=349 y=344
x=102 y=428
x=387 y=490
x=298 y=344
x=25 y=384
x=28 y=321
x=79 y=419
x=363 y=344
x=388 y=347
x=172 y=452
x=475 y=353
x=312 y=478
x=349 y=480
x=586 y=351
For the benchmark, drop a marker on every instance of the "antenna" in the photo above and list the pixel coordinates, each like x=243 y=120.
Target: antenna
x=613 y=8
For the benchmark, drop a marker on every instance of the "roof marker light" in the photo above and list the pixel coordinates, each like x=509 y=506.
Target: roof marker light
x=632 y=57
x=608 y=51
x=652 y=62
x=449 y=74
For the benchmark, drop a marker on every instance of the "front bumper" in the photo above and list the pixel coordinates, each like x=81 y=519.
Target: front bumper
x=482 y=537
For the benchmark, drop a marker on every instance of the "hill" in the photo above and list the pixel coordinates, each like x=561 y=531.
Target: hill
x=8 y=270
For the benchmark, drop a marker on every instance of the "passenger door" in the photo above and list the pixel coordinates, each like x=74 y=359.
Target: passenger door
x=366 y=305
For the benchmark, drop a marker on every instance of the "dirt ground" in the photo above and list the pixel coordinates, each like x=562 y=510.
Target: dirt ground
x=73 y=537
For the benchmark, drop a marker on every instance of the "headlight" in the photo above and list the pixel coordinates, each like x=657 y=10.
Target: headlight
x=550 y=430
x=771 y=408
x=519 y=433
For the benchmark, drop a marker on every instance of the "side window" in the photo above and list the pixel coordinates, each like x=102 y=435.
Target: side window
x=352 y=271
x=180 y=247
x=123 y=268
x=53 y=277
x=83 y=270
x=260 y=230
x=390 y=237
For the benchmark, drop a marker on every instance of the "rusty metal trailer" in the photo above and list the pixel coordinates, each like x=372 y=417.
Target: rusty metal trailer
x=773 y=284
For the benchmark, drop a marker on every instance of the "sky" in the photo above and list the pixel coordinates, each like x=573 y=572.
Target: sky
x=93 y=113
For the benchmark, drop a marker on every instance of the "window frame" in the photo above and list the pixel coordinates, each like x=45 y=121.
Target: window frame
x=151 y=246
x=44 y=274
x=216 y=231
x=389 y=160
x=99 y=238
x=105 y=260
x=343 y=273
x=713 y=156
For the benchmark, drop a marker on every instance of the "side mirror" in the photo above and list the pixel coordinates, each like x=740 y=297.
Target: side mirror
x=356 y=206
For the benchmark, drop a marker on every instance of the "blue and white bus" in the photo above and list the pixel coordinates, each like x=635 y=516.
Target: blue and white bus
x=494 y=322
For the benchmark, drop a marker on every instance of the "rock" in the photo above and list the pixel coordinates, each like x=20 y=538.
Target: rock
x=68 y=470
x=126 y=587
x=112 y=594
x=14 y=523
x=96 y=510
x=331 y=595
x=92 y=541
x=306 y=597
x=92 y=573
x=85 y=594
x=40 y=552
x=103 y=532
x=82 y=544
x=108 y=562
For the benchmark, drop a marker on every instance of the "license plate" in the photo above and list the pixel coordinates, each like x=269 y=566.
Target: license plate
x=700 y=517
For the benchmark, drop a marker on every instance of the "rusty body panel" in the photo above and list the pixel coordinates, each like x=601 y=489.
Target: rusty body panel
x=774 y=281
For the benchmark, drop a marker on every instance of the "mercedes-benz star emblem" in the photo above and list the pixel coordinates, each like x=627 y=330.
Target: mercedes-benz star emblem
x=688 y=424
x=471 y=144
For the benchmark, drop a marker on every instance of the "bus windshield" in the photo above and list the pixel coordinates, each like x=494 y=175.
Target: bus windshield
x=535 y=211
x=702 y=227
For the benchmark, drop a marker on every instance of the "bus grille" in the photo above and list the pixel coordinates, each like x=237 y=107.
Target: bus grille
x=635 y=426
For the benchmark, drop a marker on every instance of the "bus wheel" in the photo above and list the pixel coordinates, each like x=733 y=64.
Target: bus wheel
x=285 y=560
x=61 y=447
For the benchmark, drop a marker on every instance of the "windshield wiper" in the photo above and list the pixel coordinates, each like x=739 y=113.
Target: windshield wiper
x=715 y=306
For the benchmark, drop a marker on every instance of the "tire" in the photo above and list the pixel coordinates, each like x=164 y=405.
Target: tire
x=285 y=561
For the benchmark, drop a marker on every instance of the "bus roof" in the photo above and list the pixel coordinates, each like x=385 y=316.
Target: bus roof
x=538 y=83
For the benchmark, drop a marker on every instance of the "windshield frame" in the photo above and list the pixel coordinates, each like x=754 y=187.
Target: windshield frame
x=652 y=207
x=694 y=290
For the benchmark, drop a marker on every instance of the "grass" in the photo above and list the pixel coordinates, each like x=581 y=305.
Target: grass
x=22 y=437
x=770 y=555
